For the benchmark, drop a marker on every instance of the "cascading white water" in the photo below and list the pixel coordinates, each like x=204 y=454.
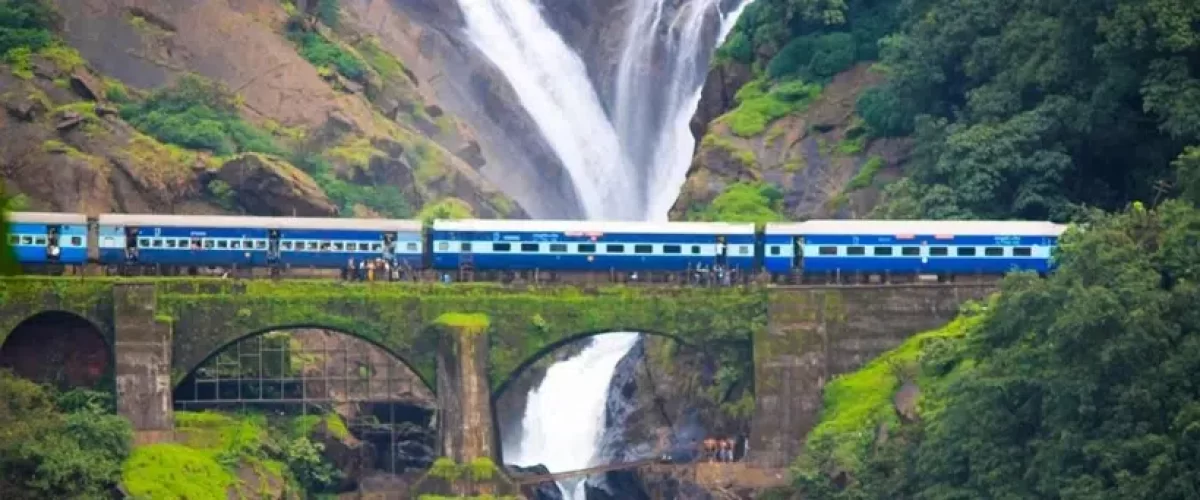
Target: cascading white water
x=627 y=170
x=563 y=417
x=552 y=83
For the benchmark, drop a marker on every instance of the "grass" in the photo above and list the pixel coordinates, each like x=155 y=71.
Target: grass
x=204 y=466
x=742 y=155
x=355 y=152
x=760 y=103
x=866 y=175
x=471 y=323
x=857 y=403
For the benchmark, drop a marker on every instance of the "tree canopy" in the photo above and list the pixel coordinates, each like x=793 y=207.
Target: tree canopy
x=1077 y=386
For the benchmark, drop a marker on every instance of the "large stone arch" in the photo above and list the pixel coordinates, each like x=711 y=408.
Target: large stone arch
x=428 y=383
x=546 y=349
x=39 y=342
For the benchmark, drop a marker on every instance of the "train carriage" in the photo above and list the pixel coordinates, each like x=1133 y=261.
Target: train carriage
x=255 y=241
x=590 y=246
x=935 y=247
x=49 y=238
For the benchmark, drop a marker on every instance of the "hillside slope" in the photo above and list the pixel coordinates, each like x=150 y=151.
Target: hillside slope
x=338 y=122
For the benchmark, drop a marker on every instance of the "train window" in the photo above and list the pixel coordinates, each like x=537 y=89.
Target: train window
x=171 y=243
x=530 y=247
x=443 y=246
x=672 y=249
x=910 y=251
x=14 y=239
x=376 y=247
x=158 y=243
x=939 y=251
x=695 y=249
x=965 y=251
x=856 y=251
x=466 y=246
x=743 y=249
x=558 y=247
x=587 y=248
x=776 y=250
x=40 y=240
x=144 y=243
x=260 y=244
x=883 y=251
x=222 y=244
x=614 y=248
x=643 y=249
x=235 y=244
x=501 y=247
x=994 y=251
x=287 y=245
x=364 y=247
x=339 y=246
x=208 y=244
x=312 y=245
x=1022 y=252
x=76 y=241
x=412 y=247
x=827 y=251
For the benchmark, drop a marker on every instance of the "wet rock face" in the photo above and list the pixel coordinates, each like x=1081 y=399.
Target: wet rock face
x=540 y=491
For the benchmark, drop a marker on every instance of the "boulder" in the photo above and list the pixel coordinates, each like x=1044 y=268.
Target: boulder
x=87 y=86
x=541 y=491
x=27 y=107
x=266 y=185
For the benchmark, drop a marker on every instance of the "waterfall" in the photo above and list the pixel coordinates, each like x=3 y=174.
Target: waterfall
x=652 y=118
x=552 y=84
x=564 y=416
x=629 y=167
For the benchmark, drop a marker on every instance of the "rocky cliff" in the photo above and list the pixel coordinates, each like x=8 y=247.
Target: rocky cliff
x=802 y=139
x=344 y=125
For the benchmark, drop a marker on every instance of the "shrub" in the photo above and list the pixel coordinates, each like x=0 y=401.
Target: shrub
x=198 y=114
x=814 y=57
x=323 y=53
x=759 y=105
x=885 y=113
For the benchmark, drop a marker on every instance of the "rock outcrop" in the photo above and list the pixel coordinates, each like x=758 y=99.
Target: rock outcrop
x=540 y=491
x=270 y=186
x=818 y=155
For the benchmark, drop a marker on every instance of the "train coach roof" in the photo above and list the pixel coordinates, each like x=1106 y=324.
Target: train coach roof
x=261 y=222
x=919 y=227
x=591 y=226
x=47 y=218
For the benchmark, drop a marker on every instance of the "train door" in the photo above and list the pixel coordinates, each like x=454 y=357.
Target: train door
x=798 y=254
x=131 y=244
x=924 y=257
x=722 y=251
x=389 y=247
x=53 y=248
x=273 y=246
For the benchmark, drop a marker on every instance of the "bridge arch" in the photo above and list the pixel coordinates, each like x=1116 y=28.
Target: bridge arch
x=59 y=347
x=258 y=332
x=542 y=352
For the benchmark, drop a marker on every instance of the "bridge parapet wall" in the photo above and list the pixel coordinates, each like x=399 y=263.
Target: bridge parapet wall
x=814 y=334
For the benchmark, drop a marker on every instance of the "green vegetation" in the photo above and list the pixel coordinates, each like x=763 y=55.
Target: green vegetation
x=386 y=200
x=743 y=202
x=59 y=445
x=27 y=30
x=328 y=56
x=865 y=175
x=1079 y=385
x=760 y=103
x=196 y=113
x=447 y=208
x=216 y=451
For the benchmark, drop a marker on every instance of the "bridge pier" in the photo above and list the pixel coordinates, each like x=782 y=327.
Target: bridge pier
x=464 y=398
x=142 y=350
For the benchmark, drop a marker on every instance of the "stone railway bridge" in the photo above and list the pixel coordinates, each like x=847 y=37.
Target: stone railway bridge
x=466 y=341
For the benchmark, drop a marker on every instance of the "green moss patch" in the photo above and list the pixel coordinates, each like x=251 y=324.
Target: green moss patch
x=760 y=103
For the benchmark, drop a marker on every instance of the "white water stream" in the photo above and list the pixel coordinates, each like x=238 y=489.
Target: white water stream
x=629 y=168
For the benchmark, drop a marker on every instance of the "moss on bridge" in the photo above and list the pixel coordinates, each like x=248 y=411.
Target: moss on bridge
x=523 y=323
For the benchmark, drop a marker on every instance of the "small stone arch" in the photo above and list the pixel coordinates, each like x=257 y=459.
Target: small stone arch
x=25 y=352
x=413 y=368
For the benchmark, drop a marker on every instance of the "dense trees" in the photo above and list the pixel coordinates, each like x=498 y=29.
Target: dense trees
x=1018 y=108
x=1079 y=386
x=52 y=445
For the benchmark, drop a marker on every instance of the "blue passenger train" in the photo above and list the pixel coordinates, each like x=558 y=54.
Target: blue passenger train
x=812 y=248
